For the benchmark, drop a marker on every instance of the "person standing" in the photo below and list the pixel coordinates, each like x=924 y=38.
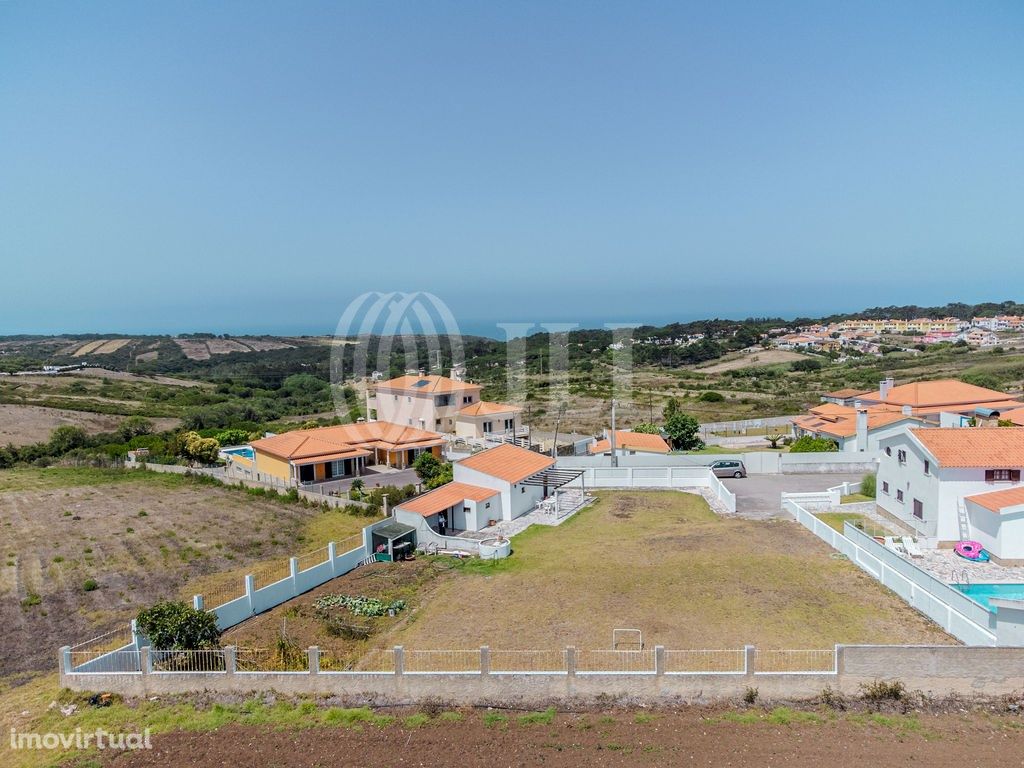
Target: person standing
x=442 y=523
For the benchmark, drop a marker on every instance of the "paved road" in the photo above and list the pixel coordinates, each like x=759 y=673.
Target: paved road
x=758 y=496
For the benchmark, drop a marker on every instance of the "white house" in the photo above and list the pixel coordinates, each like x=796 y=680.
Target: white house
x=997 y=521
x=490 y=485
x=925 y=475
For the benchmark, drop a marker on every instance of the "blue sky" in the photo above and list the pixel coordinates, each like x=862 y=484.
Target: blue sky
x=253 y=166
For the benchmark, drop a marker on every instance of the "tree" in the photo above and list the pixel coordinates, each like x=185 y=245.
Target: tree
x=671 y=408
x=66 y=438
x=232 y=437
x=177 y=626
x=134 y=426
x=774 y=439
x=427 y=466
x=647 y=428
x=446 y=475
x=683 y=432
x=199 y=448
x=711 y=397
x=808 y=444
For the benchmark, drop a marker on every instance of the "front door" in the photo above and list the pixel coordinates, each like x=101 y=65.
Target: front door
x=307 y=473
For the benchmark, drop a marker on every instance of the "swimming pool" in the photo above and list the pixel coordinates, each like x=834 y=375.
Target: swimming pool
x=245 y=452
x=982 y=593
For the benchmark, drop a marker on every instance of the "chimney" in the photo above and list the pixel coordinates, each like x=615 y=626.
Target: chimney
x=862 y=430
x=908 y=410
x=884 y=386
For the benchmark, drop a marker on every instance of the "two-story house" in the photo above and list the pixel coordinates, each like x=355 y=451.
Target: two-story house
x=441 y=404
x=928 y=479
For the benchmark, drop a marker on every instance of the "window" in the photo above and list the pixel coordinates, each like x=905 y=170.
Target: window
x=437 y=422
x=523 y=489
x=508 y=423
x=899 y=496
x=901 y=456
x=1002 y=475
x=927 y=467
x=888 y=451
x=885 y=486
x=466 y=400
x=488 y=426
x=918 y=509
x=487 y=505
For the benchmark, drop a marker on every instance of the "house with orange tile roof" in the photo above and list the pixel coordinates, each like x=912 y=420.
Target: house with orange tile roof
x=442 y=404
x=501 y=483
x=925 y=477
x=931 y=398
x=854 y=429
x=629 y=443
x=307 y=456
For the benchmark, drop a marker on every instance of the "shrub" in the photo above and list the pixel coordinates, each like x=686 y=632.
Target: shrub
x=867 y=486
x=174 y=625
x=750 y=696
x=882 y=691
x=711 y=397
x=90 y=585
x=808 y=444
x=832 y=698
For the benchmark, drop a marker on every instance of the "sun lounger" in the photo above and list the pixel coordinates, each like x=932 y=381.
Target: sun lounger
x=911 y=546
x=891 y=543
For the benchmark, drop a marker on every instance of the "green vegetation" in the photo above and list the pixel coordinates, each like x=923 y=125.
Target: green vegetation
x=171 y=625
x=432 y=471
x=808 y=444
x=868 y=485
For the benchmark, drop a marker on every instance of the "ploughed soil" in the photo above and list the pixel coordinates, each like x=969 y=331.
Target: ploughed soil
x=683 y=738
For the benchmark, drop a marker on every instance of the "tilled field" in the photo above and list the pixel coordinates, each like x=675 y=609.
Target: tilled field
x=686 y=738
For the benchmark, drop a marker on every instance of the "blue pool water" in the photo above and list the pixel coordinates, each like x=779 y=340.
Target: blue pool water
x=982 y=593
x=245 y=452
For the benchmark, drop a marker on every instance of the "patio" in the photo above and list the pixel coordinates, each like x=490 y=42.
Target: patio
x=569 y=503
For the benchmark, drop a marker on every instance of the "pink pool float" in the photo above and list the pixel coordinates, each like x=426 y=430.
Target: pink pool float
x=971 y=550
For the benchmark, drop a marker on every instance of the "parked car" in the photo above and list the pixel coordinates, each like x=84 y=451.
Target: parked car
x=729 y=468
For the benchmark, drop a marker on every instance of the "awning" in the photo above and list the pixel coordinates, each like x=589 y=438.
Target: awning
x=393 y=530
x=354 y=453
x=552 y=477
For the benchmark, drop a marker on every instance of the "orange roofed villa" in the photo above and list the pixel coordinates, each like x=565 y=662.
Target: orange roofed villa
x=321 y=455
x=442 y=404
x=857 y=421
x=629 y=443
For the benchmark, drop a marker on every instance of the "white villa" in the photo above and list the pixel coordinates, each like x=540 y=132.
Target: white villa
x=953 y=484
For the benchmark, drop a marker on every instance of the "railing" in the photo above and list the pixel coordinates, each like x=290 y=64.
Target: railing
x=615 y=661
x=285 y=659
x=503 y=662
x=107 y=662
x=769 y=662
x=442 y=661
x=316 y=557
x=705 y=662
x=210 y=660
x=212 y=598
x=271 y=573
x=108 y=641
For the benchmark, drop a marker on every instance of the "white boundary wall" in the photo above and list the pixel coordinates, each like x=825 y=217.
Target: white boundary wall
x=964 y=619
x=654 y=477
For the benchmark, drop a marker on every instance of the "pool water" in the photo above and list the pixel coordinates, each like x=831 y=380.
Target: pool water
x=982 y=593
x=246 y=453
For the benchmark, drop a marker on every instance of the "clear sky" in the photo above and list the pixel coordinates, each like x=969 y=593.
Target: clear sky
x=252 y=166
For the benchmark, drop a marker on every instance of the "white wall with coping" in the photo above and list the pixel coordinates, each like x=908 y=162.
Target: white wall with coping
x=937 y=670
x=960 y=616
x=653 y=477
x=756 y=462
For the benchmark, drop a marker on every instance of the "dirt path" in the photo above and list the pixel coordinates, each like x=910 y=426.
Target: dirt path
x=670 y=739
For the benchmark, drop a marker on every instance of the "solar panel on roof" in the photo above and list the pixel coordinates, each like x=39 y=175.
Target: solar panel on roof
x=421 y=383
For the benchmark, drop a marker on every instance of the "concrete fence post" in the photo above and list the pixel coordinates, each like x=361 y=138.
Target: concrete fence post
x=230 y=659
x=485 y=660
x=840 y=660
x=659 y=659
x=250 y=588
x=65 y=660
x=146 y=660
x=570 y=661
x=197 y=602
x=293 y=569
x=314 y=660
x=749 y=660
x=399 y=652
x=332 y=554
x=135 y=632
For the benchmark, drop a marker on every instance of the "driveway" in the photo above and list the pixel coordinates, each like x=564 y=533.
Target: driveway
x=758 y=496
x=374 y=478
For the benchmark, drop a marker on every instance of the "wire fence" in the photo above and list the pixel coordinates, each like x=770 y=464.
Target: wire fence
x=223 y=594
x=108 y=641
x=705 y=661
x=208 y=660
x=528 y=661
x=615 y=661
x=316 y=557
x=352 y=542
x=271 y=573
x=442 y=661
x=285 y=658
x=345 y=660
x=780 y=661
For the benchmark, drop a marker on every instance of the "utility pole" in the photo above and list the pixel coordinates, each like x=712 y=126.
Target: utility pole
x=615 y=456
x=558 y=422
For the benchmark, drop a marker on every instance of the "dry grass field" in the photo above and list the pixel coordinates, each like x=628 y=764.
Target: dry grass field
x=141 y=536
x=664 y=563
x=27 y=424
x=750 y=358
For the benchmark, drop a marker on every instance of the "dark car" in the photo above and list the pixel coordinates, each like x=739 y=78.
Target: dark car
x=729 y=468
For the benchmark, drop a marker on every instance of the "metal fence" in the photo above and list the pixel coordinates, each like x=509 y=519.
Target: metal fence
x=794 y=662
x=527 y=661
x=698 y=662
x=442 y=661
x=105 y=661
x=316 y=557
x=270 y=573
x=108 y=641
x=218 y=596
x=209 y=660
x=615 y=661
x=283 y=659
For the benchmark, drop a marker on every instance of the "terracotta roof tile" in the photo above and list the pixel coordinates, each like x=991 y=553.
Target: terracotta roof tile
x=434 y=384
x=325 y=441
x=448 y=495
x=940 y=392
x=997 y=501
x=967 y=447
x=485 y=408
x=632 y=441
x=508 y=462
